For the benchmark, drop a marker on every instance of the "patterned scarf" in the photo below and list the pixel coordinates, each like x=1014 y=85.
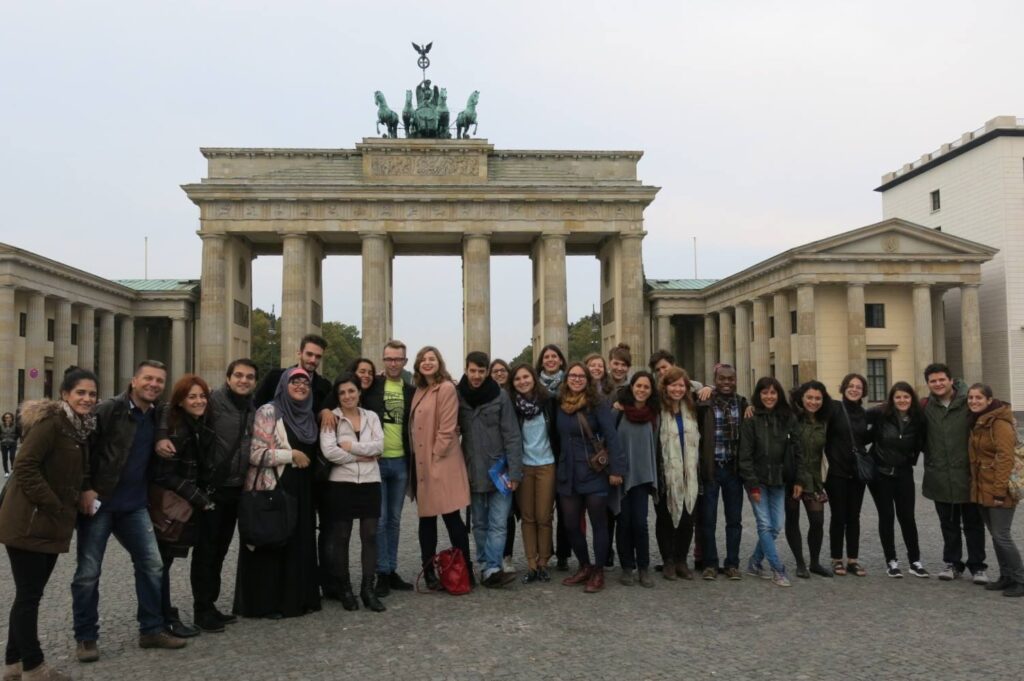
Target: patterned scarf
x=525 y=407
x=83 y=425
x=552 y=381
x=680 y=463
x=573 y=402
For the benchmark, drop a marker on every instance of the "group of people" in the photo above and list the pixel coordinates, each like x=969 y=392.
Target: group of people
x=555 y=445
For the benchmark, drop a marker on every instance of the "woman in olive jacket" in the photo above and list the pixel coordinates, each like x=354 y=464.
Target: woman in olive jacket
x=39 y=507
x=898 y=431
x=991 y=448
x=811 y=404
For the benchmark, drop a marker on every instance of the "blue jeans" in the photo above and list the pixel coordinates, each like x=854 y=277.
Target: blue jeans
x=490 y=526
x=393 y=477
x=134 y=531
x=769 y=514
x=731 y=488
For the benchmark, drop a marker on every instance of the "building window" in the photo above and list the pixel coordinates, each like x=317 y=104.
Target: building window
x=796 y=375
x=21 y=385
x=771 y=329
x=878 y=380
x=792 y=321
x=74 y=334
x=51 y=328
x=936 y=201
x=22 y=325
x=48 y=384
x=874 y=315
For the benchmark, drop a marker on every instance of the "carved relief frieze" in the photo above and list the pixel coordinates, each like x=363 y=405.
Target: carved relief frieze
x=424 y=166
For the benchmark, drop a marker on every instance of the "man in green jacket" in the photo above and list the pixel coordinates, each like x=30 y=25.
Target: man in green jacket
x=947 y=475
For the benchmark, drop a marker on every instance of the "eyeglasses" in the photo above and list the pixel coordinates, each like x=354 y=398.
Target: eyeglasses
x=577 y=377
x=300 y=382
x=394 y=360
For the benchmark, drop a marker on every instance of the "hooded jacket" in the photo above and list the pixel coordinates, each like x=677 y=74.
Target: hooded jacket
x=947 y=468
x=991 y=450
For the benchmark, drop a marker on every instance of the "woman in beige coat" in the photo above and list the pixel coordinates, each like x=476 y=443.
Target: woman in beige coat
x=438 y=480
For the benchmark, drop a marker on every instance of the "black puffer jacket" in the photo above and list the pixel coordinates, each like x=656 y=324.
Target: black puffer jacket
x=897 y=440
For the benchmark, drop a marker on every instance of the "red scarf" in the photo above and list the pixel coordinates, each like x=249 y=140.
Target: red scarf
x=642 y=414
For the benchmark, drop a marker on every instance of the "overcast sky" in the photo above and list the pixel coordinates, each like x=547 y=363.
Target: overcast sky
x=766 y=124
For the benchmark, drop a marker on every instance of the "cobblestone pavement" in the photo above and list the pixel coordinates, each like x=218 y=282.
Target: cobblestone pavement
x=847 y=628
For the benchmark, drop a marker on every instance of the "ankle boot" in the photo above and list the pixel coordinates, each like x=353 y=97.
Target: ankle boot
x=596 y=581
x=430 y=577
x=368 y=595
x=581 y=576
x=348 y=599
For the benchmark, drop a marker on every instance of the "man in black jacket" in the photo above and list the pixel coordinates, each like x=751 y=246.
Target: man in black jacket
x=311 y=353
x=114 y=501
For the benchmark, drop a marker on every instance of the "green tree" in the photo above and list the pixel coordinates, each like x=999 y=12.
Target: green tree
x=584 y=338
x=343 y=344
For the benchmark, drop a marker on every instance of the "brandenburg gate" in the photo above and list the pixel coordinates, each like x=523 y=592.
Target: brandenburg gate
x=389 y=197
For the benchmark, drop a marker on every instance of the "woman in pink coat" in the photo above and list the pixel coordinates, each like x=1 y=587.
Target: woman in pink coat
x=438 y=480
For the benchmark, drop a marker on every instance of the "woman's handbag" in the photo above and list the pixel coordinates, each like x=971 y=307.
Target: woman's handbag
x=867 y=469
x=170 y=514
x=451 y=570
x=597 y=459
x=267 y=517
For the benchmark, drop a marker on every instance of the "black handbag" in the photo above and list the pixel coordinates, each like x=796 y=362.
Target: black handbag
x=867 y=469
x=266 y=517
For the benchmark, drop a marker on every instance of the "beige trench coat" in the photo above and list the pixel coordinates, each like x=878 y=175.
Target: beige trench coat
x=439 y=481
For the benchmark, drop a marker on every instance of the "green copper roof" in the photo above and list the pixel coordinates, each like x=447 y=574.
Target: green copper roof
x=679 y=284
x=159 y=284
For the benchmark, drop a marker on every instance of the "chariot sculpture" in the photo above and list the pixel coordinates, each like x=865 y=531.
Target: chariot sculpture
x=430 y=119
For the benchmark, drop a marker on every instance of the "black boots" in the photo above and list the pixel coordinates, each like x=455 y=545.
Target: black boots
x=344 y=591
x=369 y=596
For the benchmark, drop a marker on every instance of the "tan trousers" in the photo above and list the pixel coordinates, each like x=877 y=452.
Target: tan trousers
x=536 y=498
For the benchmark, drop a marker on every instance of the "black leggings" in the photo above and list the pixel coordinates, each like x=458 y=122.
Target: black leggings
x=815 y=533
x=31 y=571
x=457 y=535
x=845 y=495
x=339 y=538
x=894 y=499
x=597 y=509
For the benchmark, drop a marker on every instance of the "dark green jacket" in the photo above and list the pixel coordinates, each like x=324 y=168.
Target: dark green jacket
x=812 y=446
x=764 y=439
x=947 y=468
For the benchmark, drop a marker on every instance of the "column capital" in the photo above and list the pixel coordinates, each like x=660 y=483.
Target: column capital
x=294 y=235
x=373 y=234
x=476 y=235
x=561 y=236
x=963 y=286
x=922 y=284
x=206 y=236
x=632 y=235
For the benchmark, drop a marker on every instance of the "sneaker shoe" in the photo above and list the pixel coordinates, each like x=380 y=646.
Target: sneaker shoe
x=754 y=570
x=733 y=574
x=161 y=640
x=506 y=564
x=980 y=578
x=949 y=573
x=918 y=570
x=894 y=570
x=710 y=574
x=86 y=651
x=780 y=578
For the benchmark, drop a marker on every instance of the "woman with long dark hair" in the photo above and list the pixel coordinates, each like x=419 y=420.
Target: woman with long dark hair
x=535 y=496
x=899 y=434
x=599 y=372
x=40 y=504
x=283 y=582
x=190 y=475
x=583 y=418
x=550 y=368
x=353 y=490
x=811 y=404
x=846 y=438
x=769 y=444
x=365 y=372
x=438 y=479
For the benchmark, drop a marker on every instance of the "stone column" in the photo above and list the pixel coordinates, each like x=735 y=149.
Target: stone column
x=760 y=353
x=476 y=293
x=783 y=348
x=35 y=346
x=63 y=355
x=87 y=338
x=727 y=355
x=663 y=333
x=178 y=347
x=8 y=363
x=375 y=286
x=922 y=303
x=108 y=385
x=142 y=349
x=938 y=327
x=697 y=343
x=970 y=332
x=554 y=322
x=631 y=300
x=806 y=341
x=856 y=343
x=710 y=346
x=294 y=296
x=743 y=384
x=213 y=324
x=127 y=355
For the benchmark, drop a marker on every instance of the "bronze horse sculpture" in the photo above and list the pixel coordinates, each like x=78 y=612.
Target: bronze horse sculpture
x=385 y=115
x=467 y=117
